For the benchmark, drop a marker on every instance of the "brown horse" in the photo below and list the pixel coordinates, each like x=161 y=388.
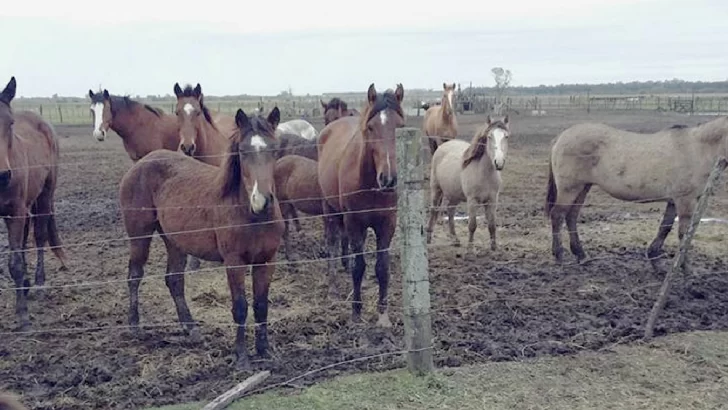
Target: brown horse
x=440 y=124
x=470 y=172
x=231 y=216
x=298 y=189
x=671 y=165
x=142 y=128
x=357 y=172
x=199 y=135
x=335 y=109
x=294 y=144
x=28 y=177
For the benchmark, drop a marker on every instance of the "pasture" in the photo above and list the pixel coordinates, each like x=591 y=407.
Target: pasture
x=506 y=305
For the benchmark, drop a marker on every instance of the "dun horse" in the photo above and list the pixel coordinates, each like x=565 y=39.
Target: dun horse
x=142 y=128
x=357 y=172
x=199 y=135
x=28 y=177
x=232 y=217
x=297 y=189
x=335 y=109
x=671 y=165
x=299 y=127
x=440 y=123
x=462 y=171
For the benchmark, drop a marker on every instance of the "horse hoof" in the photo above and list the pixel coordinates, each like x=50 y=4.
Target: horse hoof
x=242 y=364
x=356 y=318
x=493 y=247
x=194 y=336
x=384 y=321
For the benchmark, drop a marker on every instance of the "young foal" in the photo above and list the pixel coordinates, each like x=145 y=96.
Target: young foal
x=231 y=216
x=671 y=165
x=28 y=177
x=440 y=123
x=462 y=171
x=357 y=172
x=142 y=128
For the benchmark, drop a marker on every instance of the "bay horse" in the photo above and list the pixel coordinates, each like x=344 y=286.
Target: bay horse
x=298 y=126
x=440 y=123
x=234 y=218
x=142 y=128
x=199 y=135
x=470 y=172
x=671 y=165
x=294 y=144
x=335 y=109
x=28 y=179
x=298 y=189
x=357 y=172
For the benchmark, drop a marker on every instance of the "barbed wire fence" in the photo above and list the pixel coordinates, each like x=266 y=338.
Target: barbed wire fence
x=409 y=241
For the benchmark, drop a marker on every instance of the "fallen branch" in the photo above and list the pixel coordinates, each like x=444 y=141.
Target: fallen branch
x=237 y=392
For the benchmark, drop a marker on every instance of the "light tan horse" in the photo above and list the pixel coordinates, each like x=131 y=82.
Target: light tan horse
x=440 y=124
x=470 y=172
x=671 y=165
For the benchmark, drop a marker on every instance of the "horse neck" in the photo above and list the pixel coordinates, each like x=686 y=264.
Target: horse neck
x=712 y=138
x=129 y=123
x=445 y=108
x=365 y=162
x=212 y=143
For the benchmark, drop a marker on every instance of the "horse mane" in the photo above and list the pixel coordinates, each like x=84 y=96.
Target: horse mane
x=124 y=102
x=189 y=91
x=336 y=103
x=232 y=174
x=476 y=150
x=384 y=101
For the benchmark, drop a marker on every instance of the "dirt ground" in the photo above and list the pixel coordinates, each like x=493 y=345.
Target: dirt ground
x=505 y=305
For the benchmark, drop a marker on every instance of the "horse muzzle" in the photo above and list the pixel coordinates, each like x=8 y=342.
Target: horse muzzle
x=100 y=135
x=5 y=177
x=188 y=150
x=259 y=202
x=387 y=182
x=499 y=165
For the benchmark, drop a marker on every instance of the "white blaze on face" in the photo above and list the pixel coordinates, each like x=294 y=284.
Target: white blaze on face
x=188 y=109
x=98 y=110
x=383 y=117
x=449 y=97
x=499 y=136
x=258 y=143
x=257 y=200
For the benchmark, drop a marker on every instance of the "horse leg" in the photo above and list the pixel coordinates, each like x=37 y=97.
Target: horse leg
x=262 y=275
x=472 y=205
x=435 y=203
x=286 y=238
x=16 y=226
x=193 y=263
x=490 y=208
x=138 y=256
x=294 y=217
x=175 y=280
x=685 y=208
x=451 y=208
x=668 y=219
x=345 y=257
x=236 y=283
x=384 y=239
x=332 y=231
x=571 y=219
x=357 y=235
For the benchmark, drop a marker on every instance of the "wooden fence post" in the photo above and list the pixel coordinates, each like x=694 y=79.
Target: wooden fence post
x=60 y=113
x=415 y=276
x=679 y=259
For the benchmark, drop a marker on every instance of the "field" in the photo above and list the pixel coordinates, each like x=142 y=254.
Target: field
x=507 y=305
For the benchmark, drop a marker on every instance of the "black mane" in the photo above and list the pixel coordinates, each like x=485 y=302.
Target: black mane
x=385 y=101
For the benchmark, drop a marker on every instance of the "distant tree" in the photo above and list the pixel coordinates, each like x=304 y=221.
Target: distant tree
x=502 y=82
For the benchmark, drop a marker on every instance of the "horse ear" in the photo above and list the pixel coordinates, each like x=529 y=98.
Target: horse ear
x=372 y=94
x=177 y=90
x=444 y=86
x=241 y=119
x=90 y=93
x=488 y=120
x=9 y=92
x=453 y=86
x=506 y=120
x=323 y=104
x=198 y=91
x=274 y=118
x=399 y=93
x=106 y=94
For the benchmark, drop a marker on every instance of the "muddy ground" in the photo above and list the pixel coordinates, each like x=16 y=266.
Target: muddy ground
x=503 y=305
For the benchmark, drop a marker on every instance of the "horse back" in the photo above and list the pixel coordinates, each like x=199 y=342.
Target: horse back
x=296 y=180
x=336 y=151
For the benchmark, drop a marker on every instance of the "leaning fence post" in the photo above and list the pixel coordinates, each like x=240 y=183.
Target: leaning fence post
x=415 y=275
x=679 y=259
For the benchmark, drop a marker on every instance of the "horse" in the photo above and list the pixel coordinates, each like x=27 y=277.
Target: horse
x=294 y=144
x=470 y=172
x=357 y=172
x=297 y=126
x=671 y=165
x=298 y=189
x=28 y=179
x=440 y=124
x=232 y=217
x=199 y=135
x=142 y=128
x=335 y=109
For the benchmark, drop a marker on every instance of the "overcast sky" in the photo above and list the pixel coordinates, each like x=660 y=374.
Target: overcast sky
x=314 y=46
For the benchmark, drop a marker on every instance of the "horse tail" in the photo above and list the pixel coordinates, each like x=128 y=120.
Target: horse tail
x=551 y=191
x=55 y=241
